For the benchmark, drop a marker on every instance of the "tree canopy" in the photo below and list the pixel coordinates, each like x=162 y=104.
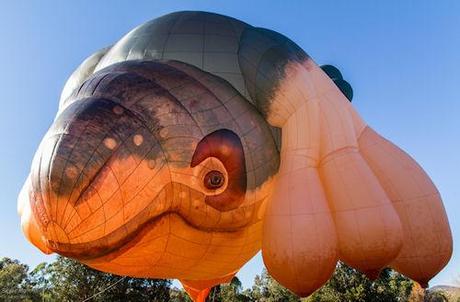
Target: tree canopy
x=15 y=283
x=68 y=280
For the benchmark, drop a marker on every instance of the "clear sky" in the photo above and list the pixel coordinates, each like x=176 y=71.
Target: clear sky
x=402 y=59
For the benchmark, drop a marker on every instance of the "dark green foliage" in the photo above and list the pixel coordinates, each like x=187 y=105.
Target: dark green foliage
x=266 y=289
x=179 y=295
x=15 y=284
x=348 y=284
x=229 y=292
x=69 y=280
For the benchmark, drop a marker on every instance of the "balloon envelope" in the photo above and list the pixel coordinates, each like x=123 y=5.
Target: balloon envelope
x=197 y=139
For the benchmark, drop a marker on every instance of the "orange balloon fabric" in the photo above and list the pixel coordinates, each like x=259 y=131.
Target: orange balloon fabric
x=418 y=204
x=197 y=139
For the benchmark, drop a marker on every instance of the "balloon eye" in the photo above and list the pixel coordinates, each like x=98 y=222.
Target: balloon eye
x=214 y=180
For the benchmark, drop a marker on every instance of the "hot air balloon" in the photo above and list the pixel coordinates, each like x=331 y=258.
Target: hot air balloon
x=196 y=140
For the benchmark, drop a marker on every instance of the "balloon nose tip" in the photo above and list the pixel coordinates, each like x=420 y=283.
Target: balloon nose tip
x=32 y=231
x=423 y=284
x=29 y=223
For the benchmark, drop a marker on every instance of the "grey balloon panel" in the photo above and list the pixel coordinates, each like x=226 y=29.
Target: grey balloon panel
x=209 y=41
x=206 y=40
x=84 y=71
x=250 y=59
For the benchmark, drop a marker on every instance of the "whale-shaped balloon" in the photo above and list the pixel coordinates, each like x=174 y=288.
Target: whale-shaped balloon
x=196 y=140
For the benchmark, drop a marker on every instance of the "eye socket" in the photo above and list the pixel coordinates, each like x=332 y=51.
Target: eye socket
x=214 y=180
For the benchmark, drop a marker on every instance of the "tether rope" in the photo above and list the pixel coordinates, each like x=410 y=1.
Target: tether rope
x=107 y=288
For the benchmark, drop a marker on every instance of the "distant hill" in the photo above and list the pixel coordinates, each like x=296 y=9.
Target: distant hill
x=453 y=292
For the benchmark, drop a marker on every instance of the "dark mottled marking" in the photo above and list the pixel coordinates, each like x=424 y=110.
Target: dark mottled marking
x=82 y=128
x=263 y=55
x=180 y=80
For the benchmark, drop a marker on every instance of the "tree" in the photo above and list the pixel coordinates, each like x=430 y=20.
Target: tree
x=417 y=293
x=15 y=284
x=228 y=292
x=179 y=295
x=68 y=280
x=267 y=289
x=348 y=284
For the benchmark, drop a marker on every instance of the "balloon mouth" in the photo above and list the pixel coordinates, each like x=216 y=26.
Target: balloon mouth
x=190 y=207
x=115 y=244
x=102 y=218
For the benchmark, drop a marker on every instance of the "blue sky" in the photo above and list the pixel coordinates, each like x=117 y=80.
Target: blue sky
x=402 y=59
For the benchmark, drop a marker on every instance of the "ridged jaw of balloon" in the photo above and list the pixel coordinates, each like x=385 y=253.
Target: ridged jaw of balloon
x=114 y=172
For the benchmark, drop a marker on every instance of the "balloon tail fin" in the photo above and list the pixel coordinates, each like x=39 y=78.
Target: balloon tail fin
x=197 y=295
